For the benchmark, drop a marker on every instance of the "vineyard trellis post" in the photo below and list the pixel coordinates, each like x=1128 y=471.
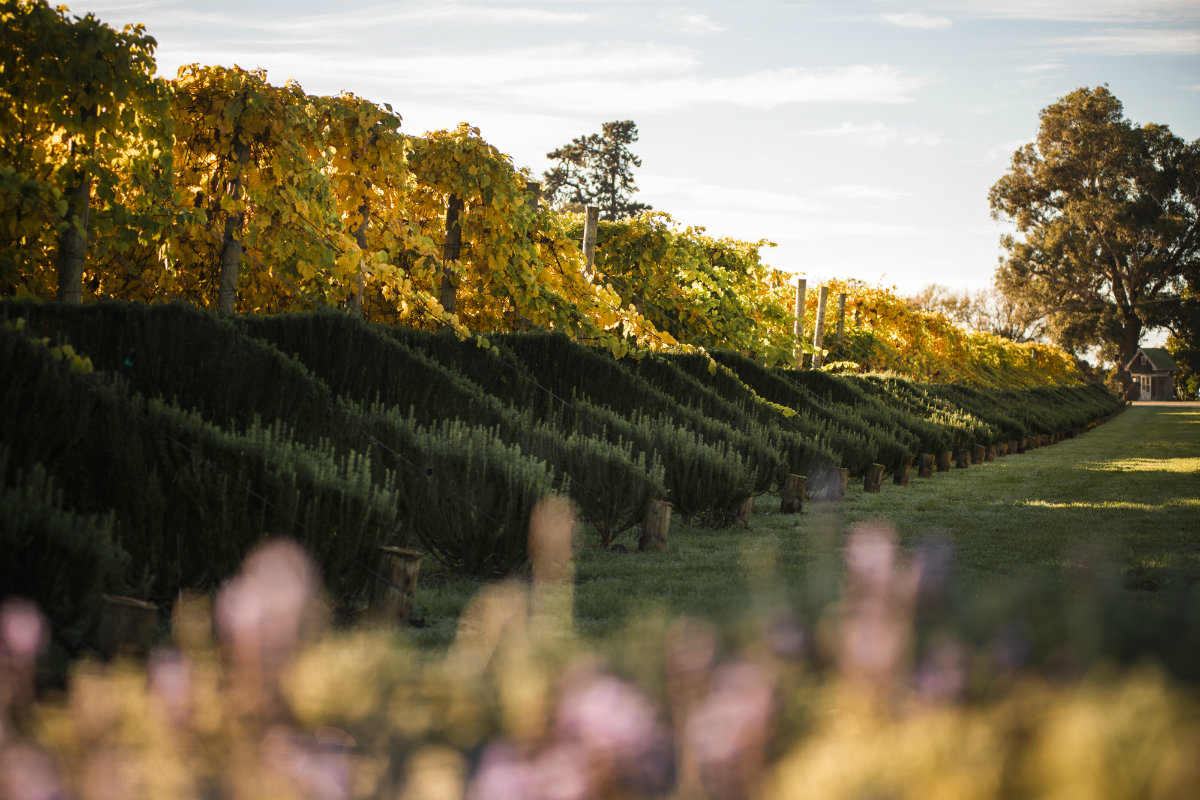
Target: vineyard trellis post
x=798 y=326
x=819 y=331
x=841 y=328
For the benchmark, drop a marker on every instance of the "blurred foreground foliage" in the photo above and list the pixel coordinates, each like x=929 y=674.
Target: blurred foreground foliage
x=874 y=694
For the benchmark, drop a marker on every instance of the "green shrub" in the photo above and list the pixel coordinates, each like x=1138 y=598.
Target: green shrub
x=467 y=495
x=55 y=557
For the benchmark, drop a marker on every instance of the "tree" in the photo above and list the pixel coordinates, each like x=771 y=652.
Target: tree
x=82 y=119
x=597 y=170
x=1106 y=219
x=986 y=311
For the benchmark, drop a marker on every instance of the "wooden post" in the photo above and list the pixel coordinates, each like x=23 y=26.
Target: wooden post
x=655 y=527
x=791 y=499
x=1002 y=449
x=744 y=511
x=962 y=459
x=978 y=451
x=902 y=472
x=990 y=455
x=944 y=459
x=450 y=251
x=395 y=586
x=925 y=470
x=836 y=481
x=1014 y=448
x=798 y=325
x=873 y=480
x=819 y=332
x=1045 y=440
x=591 y=221
x=841 y=326
x=126 y=626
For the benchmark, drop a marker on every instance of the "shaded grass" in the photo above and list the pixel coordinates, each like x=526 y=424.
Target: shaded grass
x=1123 y=499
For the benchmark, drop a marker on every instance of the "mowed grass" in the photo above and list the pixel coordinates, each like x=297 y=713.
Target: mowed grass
x=1123 y=498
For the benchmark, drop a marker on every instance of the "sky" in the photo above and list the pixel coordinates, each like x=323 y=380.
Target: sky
x=860 y=136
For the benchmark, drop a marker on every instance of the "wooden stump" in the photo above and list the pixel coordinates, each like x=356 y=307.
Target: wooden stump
x=395 y=586
x=944 y=459
x=792 y=497
x=990 y=455
x=745 y=509
x=902 y=472
x=1002 y=449
x=1023 y=445
x=925 y=470
x=978 y=451
x=873 y=480
x=126 y=626
x=962 y=459
x=834 y=484
x=1045 y=440
x=655 y=527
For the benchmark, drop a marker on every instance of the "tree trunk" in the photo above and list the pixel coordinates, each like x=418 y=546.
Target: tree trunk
x=591 y=221
x=819 y=333
x=451 y=250
x=360 y=238
x=231 y=241
x=72 y=244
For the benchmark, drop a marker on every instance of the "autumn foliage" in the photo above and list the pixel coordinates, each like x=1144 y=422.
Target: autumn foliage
x=230 y=192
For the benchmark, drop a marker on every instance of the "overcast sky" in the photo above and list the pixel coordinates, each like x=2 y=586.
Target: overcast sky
x=861 y=136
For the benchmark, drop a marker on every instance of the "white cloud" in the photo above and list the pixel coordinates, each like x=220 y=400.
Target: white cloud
x=880 y=134
x=1138 y=41
x=922 y=21
x=857 y=191
x=1078 y=10
x=719 y=196
x=690 y=22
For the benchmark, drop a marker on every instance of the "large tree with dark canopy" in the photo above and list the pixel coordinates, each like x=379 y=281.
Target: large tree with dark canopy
x=597 y=170
x=1106 y=223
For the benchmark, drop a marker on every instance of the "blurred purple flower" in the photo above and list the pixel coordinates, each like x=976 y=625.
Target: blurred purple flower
x=170 y=674
x=24 y=635
x=27 y=773
x=734 y=720
x=617 y=725
x=320 y=765
x=261 y=611
x=942 y=676
x=503 y=774
x=786 y=635
x=24 y=632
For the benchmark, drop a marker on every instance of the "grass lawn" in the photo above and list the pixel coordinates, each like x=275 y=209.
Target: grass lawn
x=1121 y=501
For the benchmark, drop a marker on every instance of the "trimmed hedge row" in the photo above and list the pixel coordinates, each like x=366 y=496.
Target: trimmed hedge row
x=199 y=435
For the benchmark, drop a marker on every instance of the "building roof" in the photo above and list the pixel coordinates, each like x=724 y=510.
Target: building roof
x=1160 y=360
